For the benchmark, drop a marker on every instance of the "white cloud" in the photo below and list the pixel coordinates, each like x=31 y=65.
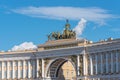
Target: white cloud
x=80 y=27
x=93 y=14
x=24 y=46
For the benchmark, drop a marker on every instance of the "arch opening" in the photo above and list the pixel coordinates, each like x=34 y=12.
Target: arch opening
x=62 y=69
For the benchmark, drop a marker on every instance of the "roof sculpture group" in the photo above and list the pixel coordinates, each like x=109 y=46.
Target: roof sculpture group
x=66 y=34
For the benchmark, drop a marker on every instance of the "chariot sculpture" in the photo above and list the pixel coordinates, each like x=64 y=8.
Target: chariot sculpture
x=67 y=33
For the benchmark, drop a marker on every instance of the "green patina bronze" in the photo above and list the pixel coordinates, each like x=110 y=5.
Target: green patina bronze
x=67 y=33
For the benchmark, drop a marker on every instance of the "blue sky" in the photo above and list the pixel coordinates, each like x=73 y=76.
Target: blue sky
x=31 y=20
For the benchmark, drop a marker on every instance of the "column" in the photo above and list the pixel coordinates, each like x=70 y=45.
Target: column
x=13 y=65
x=24 y=69
x=78 y=65
x=117 y=62
x=101 y=58
x=3 y=70
x=111 y=62
x=8 y=69
x=43 y=68
x=29 y=69
x=91 y=65
x=96 y=63
x=85 y=64
x=106 y=62
x=19 y=74
x=37 y=69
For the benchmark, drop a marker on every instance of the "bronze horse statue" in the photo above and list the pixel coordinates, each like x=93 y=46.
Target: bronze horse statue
x=67 y=34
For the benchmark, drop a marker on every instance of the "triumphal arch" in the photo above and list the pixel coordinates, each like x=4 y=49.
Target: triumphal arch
x=63 y=57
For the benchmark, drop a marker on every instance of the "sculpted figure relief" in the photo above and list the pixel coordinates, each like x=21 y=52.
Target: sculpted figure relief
x=67 y=33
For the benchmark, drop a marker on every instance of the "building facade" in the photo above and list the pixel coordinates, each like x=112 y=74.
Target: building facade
x=67 y=59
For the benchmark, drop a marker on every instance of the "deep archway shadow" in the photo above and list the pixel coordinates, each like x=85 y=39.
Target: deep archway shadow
x=58 y=70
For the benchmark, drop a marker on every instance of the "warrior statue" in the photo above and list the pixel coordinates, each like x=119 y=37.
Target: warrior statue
x=67 y=26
